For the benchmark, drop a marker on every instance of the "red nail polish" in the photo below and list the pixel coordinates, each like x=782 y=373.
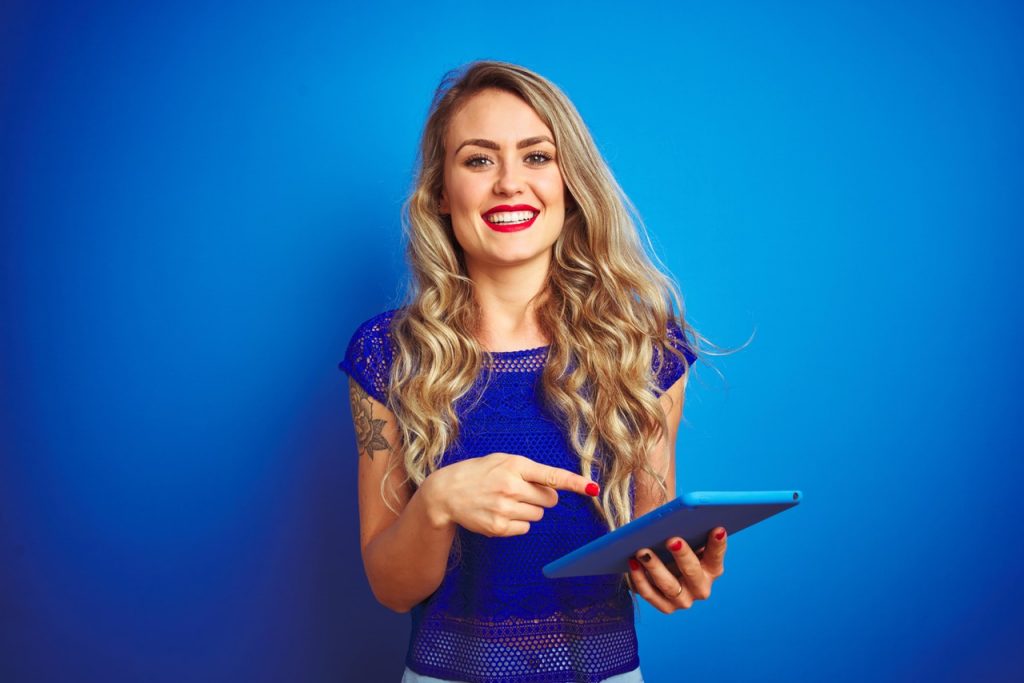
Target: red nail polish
x=720 y=535
x=675 y=545
x=593 y=489
x=633 y=564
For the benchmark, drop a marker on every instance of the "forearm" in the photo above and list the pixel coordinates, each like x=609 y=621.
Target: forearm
x=406 y=562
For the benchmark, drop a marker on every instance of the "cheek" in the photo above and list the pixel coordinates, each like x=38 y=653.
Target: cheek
x=466 y=190
x=553 y=189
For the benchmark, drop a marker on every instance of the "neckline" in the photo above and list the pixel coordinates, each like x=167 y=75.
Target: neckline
x=520 y=352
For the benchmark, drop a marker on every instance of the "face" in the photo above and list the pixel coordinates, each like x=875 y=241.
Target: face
x=502 y=185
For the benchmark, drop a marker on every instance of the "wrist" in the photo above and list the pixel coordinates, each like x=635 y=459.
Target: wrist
x=435 y=502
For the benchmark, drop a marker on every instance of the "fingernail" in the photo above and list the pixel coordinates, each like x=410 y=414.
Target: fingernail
x=633 y=564
x=593 y=489
x=646 y=557
x=675 y=545
x=720 y=535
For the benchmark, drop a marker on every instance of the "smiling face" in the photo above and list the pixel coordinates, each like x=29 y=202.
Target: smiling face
x=502 y=185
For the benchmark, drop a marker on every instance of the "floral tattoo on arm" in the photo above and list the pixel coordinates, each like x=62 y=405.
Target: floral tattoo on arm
x=369 y=435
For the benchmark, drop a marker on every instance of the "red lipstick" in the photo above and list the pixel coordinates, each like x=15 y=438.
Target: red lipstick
x=510 y=227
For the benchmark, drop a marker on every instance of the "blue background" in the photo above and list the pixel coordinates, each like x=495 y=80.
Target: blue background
x=199 y=204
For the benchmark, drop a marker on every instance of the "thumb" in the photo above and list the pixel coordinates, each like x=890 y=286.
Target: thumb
x=558 y=478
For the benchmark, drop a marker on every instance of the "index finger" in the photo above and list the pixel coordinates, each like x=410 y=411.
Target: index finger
x=557 y=478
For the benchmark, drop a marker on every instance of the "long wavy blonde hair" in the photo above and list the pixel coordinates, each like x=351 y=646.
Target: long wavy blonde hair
x=605 y=307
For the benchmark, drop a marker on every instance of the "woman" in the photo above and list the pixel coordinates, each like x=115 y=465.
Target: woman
x=524 y=401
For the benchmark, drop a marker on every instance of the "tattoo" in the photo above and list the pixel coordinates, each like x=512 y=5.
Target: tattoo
x=368 y=430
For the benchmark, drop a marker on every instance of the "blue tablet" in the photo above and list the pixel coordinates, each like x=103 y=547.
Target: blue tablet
x=691 y=516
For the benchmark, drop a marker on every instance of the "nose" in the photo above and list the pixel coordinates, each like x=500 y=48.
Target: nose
x=509 y=181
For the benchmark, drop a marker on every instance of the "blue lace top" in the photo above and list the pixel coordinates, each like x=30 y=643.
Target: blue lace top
x=495 y=617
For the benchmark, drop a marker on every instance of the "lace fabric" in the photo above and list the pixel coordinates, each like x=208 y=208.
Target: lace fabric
x=410 y=676
x=495 y=617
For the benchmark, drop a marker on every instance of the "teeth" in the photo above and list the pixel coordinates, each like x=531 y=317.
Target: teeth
x=505 y=217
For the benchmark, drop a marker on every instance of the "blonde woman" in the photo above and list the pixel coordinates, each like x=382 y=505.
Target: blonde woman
x=523 y=401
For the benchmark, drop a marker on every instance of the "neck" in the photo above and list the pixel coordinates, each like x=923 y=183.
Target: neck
x=508 y=298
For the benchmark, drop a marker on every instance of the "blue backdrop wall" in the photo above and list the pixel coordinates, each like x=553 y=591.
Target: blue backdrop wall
x=200 y=202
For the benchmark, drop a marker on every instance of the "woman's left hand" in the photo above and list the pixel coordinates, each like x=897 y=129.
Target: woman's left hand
x=672 y=588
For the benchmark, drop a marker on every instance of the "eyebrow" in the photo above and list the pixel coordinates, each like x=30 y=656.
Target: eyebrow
x=491 y=144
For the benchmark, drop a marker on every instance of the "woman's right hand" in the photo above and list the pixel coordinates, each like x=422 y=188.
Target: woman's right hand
x=498 y=494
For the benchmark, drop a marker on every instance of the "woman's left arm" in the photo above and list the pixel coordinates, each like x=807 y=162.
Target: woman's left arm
x=674 y=587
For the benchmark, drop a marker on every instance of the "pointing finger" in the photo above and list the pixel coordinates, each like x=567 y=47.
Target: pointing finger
x=557 y=478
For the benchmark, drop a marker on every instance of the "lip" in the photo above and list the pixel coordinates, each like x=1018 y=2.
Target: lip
x=506 y=207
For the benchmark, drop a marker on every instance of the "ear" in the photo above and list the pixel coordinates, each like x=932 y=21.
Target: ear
x=442 y=205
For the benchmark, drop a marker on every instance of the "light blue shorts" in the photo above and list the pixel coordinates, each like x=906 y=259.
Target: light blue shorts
x=628 y=677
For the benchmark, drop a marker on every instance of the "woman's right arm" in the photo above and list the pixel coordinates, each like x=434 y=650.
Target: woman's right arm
x=404 y=554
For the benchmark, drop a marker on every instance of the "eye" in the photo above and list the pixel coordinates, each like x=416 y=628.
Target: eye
x=533 y=158
x=476 y=161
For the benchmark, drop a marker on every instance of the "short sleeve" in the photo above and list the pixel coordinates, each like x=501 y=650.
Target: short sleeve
x=671 y=368
x=369 y=355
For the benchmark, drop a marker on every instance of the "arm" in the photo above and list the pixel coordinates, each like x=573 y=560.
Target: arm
x=675 y=587
x=663 y=459
x=404 y=554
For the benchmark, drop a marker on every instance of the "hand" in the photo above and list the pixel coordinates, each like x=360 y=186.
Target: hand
x=690 y=579
x=498 y=494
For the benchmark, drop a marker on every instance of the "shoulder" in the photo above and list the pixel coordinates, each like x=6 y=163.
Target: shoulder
x=377 y=327
x=370 y=353
x=678 y=339
x=672 y=360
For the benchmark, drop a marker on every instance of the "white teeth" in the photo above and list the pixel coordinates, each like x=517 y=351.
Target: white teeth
x=505 y=217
